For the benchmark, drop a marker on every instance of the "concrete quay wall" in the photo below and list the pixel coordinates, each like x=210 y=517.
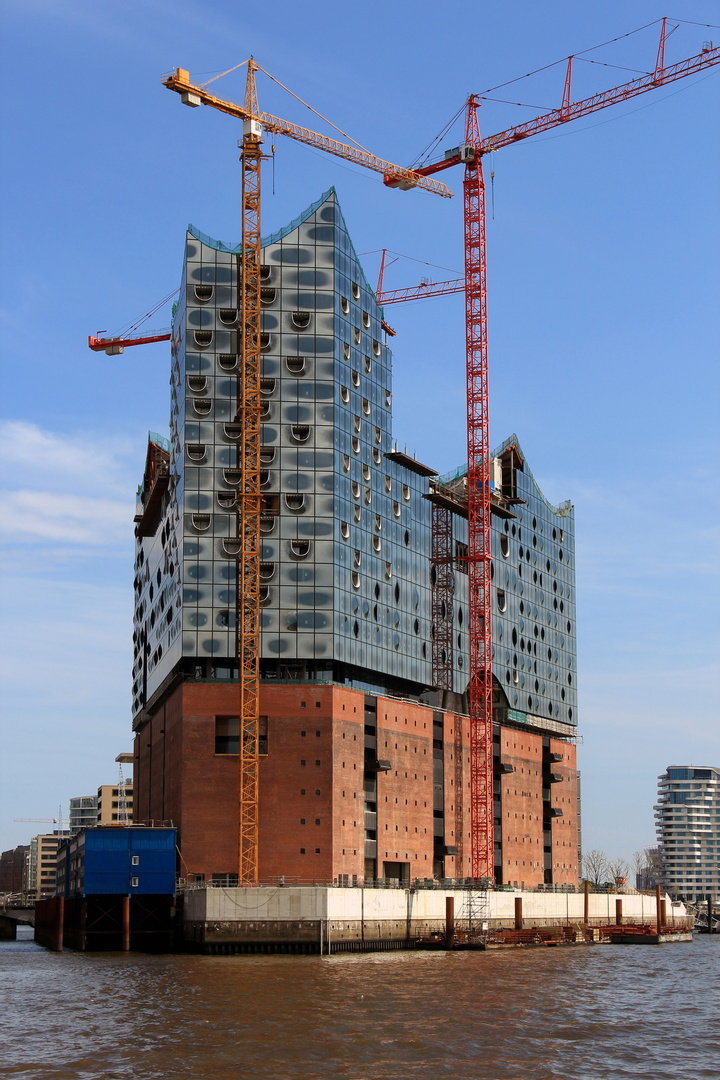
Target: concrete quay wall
x=305 y=916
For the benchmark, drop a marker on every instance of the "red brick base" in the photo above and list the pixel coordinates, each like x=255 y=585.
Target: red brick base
x=312 y=805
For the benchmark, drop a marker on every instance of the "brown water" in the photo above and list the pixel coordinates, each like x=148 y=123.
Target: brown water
x=594 y=1012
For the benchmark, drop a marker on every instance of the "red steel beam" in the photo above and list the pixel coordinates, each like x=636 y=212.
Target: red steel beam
x=102 y=344
x=421 y=292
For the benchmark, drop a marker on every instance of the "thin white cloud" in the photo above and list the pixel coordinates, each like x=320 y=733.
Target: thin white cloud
x=65 y=492
x=86 y=463
x=67 y=518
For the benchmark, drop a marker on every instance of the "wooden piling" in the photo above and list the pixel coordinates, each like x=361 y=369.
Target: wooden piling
x=518 y=913
x=82 y=934
x=59 y=924
x=586 y=914
x=618 y=911
x=449 y=921
x=126 y=924
x=658 y=910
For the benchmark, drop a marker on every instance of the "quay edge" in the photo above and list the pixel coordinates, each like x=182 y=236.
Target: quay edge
x=318 y=919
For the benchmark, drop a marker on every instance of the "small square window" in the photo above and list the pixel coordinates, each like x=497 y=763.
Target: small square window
x=317 y=704
x=317 y=761
x=302 y=790
x=302 y=704
x=302 y=820
x=317 y=820
x=317 y=790
x=302 y=761
x=303 y=734
x=302 y=850
x=317 y=850
x=136 y=860
x=317 y=734
x=135 y=882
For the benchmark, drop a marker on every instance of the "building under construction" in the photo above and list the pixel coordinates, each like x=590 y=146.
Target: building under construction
x=363 y=734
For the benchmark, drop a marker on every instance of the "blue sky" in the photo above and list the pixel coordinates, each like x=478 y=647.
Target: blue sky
x=603 y=311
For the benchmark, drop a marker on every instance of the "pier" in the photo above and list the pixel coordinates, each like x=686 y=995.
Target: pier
x=328 y=920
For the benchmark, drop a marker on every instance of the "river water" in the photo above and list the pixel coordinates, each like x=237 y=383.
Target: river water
x=635 y=1011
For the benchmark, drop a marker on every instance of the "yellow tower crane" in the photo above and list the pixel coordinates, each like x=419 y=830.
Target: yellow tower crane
x=248 y=500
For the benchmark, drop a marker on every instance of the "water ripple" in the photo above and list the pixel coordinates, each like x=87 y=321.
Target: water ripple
x=601 y=1013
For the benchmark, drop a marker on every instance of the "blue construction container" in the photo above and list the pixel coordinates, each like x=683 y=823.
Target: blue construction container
x=118 y=861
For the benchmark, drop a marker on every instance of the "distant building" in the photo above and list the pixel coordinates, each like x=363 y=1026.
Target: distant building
x=652 y=873
x=12 y=869
x=687 y=816
x=83 y=813
x=109 y=804
x=30 y=883
x=46 y=863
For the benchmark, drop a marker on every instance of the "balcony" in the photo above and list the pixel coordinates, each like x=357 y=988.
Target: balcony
x=376 y=765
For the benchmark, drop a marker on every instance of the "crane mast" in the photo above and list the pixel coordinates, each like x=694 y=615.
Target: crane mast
x=479 y=554
x=247 y=575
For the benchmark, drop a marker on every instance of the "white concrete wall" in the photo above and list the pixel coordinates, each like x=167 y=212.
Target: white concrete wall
x=339 y=905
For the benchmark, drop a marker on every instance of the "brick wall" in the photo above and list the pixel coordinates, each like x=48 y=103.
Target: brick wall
x=522 y=808
x=405 y=792
x=565 y=829
x=179 y=777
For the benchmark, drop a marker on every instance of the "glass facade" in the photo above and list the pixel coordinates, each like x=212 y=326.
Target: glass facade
x=346 y=575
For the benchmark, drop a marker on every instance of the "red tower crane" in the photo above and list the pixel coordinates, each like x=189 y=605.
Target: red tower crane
x=470 y=154
x=423 y=291
x=119 y=342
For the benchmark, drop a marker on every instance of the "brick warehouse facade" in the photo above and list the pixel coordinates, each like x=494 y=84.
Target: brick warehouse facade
x=352 y=616
x=323 y=748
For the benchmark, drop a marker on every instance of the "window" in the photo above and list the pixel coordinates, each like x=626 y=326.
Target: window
x=136 y=860
x=295 y=364
x=262 y=735
x=227 y=735
x=135 y=882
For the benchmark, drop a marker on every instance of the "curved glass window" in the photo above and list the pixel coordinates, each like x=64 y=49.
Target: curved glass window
x=300 y=432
